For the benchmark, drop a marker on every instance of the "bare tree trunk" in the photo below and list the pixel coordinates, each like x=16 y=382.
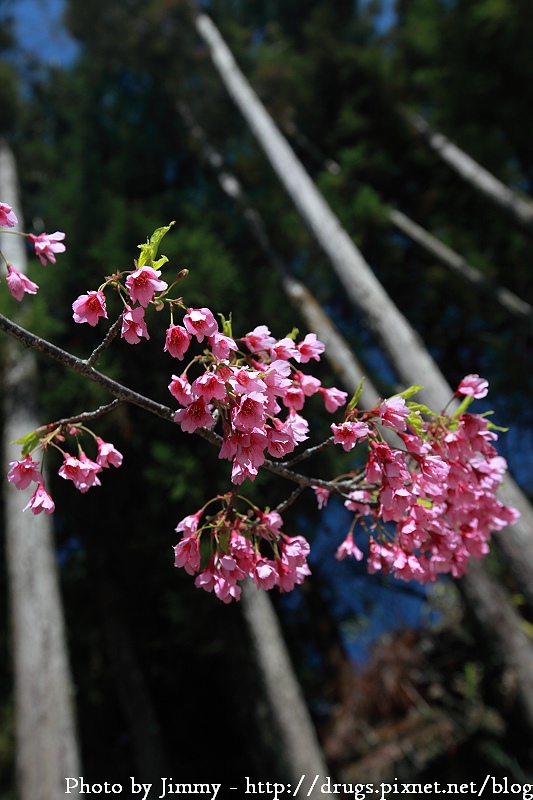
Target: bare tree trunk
x=488 y=600
x=298 y=743
x=402 y=344
x=46 y=745
x=507 y=299
x=519 y=208
x=432 y=244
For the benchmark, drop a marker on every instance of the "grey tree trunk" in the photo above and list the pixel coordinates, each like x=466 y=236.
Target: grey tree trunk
x=298 y=743
x=46 y=744
x=432 y=244
x=519 y=208
x=401 y=343
x=507 y=299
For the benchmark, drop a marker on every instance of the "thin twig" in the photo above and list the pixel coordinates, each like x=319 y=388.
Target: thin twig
x=85 y=416
x=111 y=334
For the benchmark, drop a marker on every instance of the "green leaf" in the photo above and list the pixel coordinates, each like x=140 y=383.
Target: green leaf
x=157 y=235
x=492 y=427
x=150 y=248
x=159 y=263
x=467 y=401
x=416 y=423
x=293 y=334
x=424 y=502
x=421 y=408
x=227 y=325
x=223 y=540
x=409 y=392
x=357 y=396
x=29 y=442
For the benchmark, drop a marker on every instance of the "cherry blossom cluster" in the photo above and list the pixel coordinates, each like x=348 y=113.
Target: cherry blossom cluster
x=429 y=503
x=247 y=386
x=46 y=246
x=137 y=289
x=224 y=548
x=80 y=469
x=426 y=490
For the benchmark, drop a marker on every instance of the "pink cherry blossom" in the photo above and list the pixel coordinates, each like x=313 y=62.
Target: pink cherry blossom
x=8 y=217
x=259 y=339
x=133 y=325
x=200 y=322
x=108 y=455
x=250 y=413
x=40 y=501
x=187 y=554
x=393 y=413
x=348 y=548
x=309 y=384
x=23 y=472
x=189 y=524
x=209 y=386
x=284 y=349
x=310 y=348
x=265 y=574
x=221 y=345
x=294 y=397
x=177 y=341
x=298 y=426
x=143 y=283
x=473 y=386
x=181 y=389
x=322 y=496
x=333 y=398
x=81 y=471
x=46 y=245
x=196 y=415
x=89 y=308
x=349 y=433
x=280 y=439
x=18 y=283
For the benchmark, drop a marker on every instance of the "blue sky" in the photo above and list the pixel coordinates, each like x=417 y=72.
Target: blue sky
x=39 y=30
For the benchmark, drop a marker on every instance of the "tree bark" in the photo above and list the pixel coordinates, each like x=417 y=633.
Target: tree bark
x=303 y=759
x=519 y=208
x=401 y=343
x=46 y=745
x=507 y=299
x=432 y=244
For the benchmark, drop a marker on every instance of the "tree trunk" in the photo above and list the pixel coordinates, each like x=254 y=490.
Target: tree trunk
x=433 y=245
x=402 y=344
x=46 y=745
x=298 y=743
x=507 y=299
x=519 y=208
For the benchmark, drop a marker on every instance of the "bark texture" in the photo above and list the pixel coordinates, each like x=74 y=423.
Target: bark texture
x=46 y=745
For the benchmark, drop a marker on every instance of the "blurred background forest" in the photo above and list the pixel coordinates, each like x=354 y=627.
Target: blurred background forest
x=104 y=153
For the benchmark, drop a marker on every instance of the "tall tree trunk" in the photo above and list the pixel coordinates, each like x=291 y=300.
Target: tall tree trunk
x=298 y=743
x=507 y=299
x=46 y=745
x=402 y=344
x=430 y=243
x=519 y=208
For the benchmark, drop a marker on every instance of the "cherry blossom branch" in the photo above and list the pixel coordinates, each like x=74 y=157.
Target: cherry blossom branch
x=82 y=367
x=85 y=416
x=110 y=335
x=125 y=394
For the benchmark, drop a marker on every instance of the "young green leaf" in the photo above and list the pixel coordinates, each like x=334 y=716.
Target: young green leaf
x=357 y=396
